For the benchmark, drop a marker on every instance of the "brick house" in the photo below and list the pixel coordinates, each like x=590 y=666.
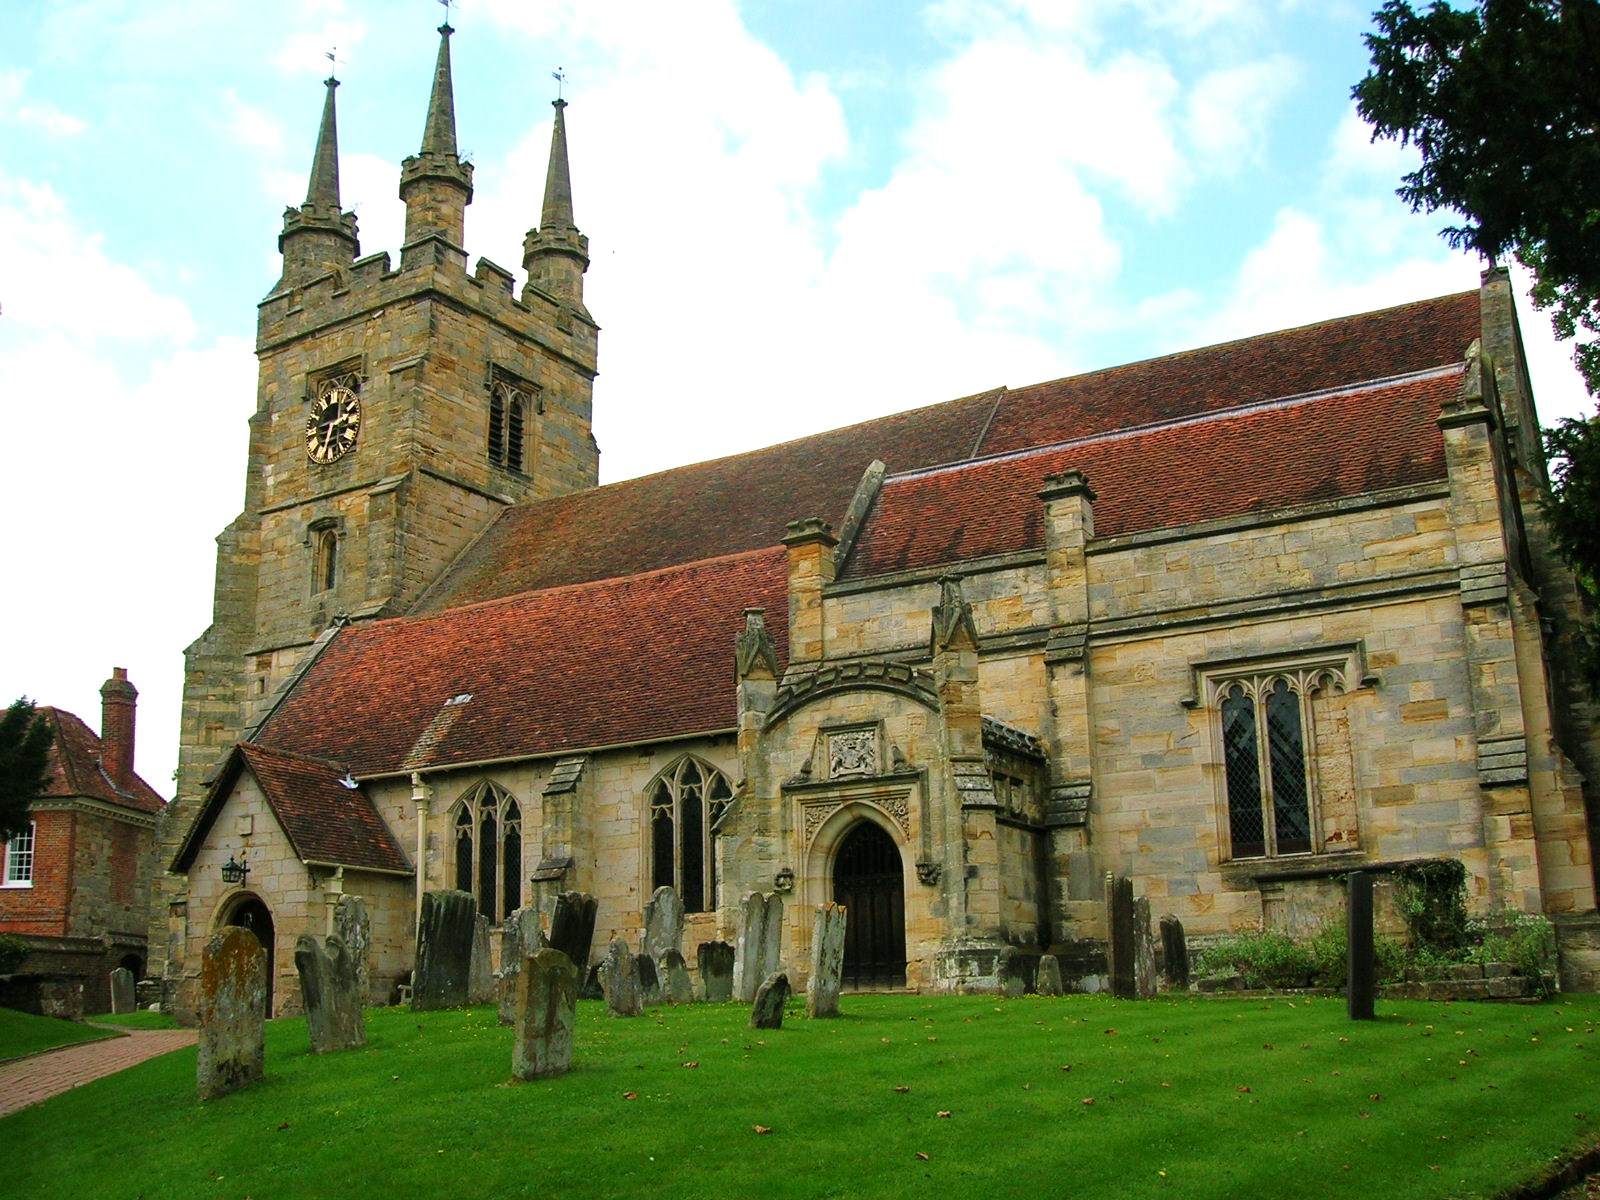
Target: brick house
x=1232 y=622
x=76 y=885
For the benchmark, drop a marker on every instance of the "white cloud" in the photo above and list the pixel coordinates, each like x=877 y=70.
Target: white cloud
x=1228 y=111
x=306 y=53
x=17 y=108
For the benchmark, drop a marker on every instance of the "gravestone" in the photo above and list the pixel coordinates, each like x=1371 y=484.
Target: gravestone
x=593 y=988
x=1008 y=971
x=520 y=936
x=649 y=980
x=1362 y=987
x=480 y=973
x=663 y=924
x=619 y=979
x=122 y=990
x=353 y=928
x=716 y=971
x=330 y=993
x=760 y=941
x=233 y=1013
x=572 y=928
x=827 y=961
x=769 y=1001
x=674 y=976
x=1144 y=951
x=1048 y=980
x=1119 y=936
x=546 y=1008
x=1175 y=953
x=444 y=950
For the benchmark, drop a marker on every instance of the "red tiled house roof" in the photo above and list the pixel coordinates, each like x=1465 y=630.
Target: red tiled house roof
x=75 y=768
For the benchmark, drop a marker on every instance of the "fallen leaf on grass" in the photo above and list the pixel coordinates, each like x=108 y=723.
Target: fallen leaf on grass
x=1068 y=1067
x=285 y=1125
x=1375 y=1097
x=1088 y=1099
x=762 y=1128
x=943 y=1112
x=630 y=1095
x=690 y=1065
x=902 y=1089
x=1243 y=1087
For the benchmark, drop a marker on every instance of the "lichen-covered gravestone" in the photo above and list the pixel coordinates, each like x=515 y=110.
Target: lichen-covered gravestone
x=546 y=1006
x=122 y=990
x=354 y=929
x=480 y=973
x=649 y=980
x=827 y=961
x=760 y=942
x=444 y=950
x=1009 y=972
x=716 y=971
x=674 y=977
x=331 y=994
x=1174 y=953
x=619 y=979
x=767 y=1008
x=663 y=924
x=572 y=927
x=520 y=936
x=233 y=1013
x=1144 y=951
x=1048 y=980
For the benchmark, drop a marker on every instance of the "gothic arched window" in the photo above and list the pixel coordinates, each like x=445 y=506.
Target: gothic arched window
x=486 y=841
x=325 y=559
x=686 y=800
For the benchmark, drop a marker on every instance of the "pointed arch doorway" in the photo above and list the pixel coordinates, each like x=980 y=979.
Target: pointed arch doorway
x=253 y=914
x=869 y=880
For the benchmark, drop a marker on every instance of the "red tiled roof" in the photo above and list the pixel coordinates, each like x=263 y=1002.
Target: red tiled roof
x=624 y=660
x=1331 y=354
x=326 y=821
x=726 y=506
x=75 y=767
x=1320 y=449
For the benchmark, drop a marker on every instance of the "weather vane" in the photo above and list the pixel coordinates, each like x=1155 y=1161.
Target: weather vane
x=447 y=4
x=333 y=62
x=560 y=77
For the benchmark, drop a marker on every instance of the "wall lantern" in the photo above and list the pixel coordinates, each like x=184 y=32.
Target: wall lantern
x=234 y=871
x=784 y=881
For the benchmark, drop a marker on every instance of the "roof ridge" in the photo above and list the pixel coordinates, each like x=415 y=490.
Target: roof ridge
x=249 y=748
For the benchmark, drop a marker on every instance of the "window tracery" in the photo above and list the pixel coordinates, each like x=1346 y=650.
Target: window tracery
x=686 y=801
x=487 y=847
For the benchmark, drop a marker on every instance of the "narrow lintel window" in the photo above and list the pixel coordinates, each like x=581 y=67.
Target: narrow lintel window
x=487 y=846
x=686 y=801
x=19 y=858
x=324 y=558
x=511 y=407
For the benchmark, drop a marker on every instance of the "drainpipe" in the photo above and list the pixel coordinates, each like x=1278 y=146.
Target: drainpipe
x=419 y=796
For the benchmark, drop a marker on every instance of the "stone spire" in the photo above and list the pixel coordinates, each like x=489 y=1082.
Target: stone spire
x=556 y=255
x=434 y=183
x=317 y=236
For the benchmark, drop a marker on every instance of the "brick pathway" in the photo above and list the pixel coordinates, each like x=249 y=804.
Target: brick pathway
x=30 y=1080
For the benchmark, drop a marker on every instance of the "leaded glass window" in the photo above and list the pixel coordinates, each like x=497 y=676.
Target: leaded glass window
x=487 y=845
x=1267 y=771
x=686 y=801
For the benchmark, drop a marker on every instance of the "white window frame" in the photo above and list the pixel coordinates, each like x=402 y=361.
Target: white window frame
x=17 y=869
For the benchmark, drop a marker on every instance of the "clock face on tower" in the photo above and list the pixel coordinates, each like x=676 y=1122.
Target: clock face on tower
x=334 y=422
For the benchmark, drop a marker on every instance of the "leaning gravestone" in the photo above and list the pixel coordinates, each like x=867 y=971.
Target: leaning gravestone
x=1119 y=936
x=480 y=973
x=827 y=961
x=354 y=930
x=546 y=1007
x=1174 y=953
x=767 y=1008
x=716 y=971
x=674 y=978
x=1144 y=951
x=1048 y=981
x=520 y=936
x=649 y=980
x=760 y=941
x=572 y=927
x=619 y=978
x=122 y=990
x=233 y=1013
x=331 y=995
x=663 y=924
x=444 y=950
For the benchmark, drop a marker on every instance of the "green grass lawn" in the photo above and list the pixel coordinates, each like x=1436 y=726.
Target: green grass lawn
x=136 y=1020
x=23 y=1033
x=904 y=1096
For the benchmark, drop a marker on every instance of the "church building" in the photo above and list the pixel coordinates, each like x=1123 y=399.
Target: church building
x=1233 y=622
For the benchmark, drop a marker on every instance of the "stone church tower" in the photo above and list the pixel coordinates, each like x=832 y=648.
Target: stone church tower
x=398 y=412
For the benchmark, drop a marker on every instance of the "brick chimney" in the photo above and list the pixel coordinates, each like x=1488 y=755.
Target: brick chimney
x=118 y=699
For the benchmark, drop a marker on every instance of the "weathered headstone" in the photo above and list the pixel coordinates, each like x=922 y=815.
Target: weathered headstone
x=1174 y=953
x=827 y=961
x=1362 y=986
x=122 y=990
x=520 y=936
x=760 y=943
x=444 y=950
x=673 y=974
x=769 y=1002
x=233 y=1013
x=572 y=927
x=480 y=973
x=1119 y=936
x=663 y=924
x=649 y=980
x=1144 y=951
x=1048 y=980
x=1008 y=972
x=593 y=986
x=330 y=993
x=546 y=1007
x=353 y=928
x=619 y=979
x=716 y=971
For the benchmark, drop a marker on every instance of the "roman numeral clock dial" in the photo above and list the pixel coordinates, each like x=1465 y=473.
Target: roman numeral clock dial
x=333 y=425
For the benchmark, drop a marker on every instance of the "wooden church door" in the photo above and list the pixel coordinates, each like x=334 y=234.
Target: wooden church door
x=869 y=881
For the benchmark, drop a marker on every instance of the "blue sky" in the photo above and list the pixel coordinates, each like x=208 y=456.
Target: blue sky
x=800 y=215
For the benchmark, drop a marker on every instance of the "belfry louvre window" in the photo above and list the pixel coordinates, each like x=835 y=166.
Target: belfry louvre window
x=685 y=802
x=511 y=407
x=487 y=842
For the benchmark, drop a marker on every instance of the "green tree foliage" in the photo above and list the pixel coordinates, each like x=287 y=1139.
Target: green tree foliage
x=24 y=763
x=1502 y=99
